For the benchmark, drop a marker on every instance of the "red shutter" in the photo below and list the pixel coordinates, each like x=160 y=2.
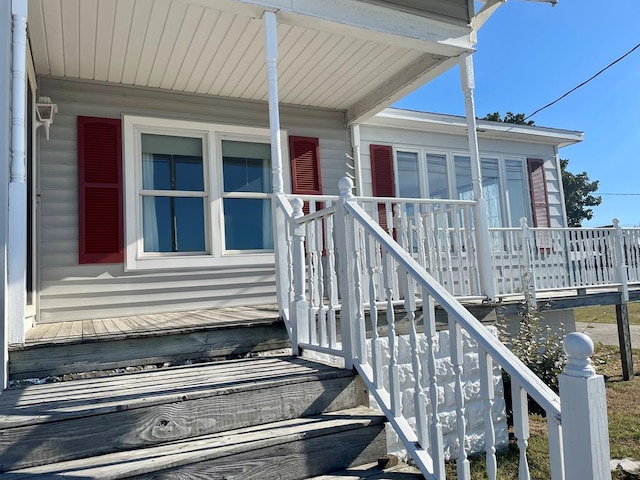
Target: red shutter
x=538 y=188
x=305 y=167
x=100 y=222
x=382 y=177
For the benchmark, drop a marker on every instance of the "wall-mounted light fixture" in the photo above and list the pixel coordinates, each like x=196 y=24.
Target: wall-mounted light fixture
x=45 y=110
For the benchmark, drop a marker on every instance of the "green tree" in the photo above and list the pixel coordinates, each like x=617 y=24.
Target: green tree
x=578 y=195
x=510 y=117
x=578 y=188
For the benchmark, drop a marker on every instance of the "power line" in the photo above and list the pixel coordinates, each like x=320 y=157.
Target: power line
x=584 y=83
x=633 y=194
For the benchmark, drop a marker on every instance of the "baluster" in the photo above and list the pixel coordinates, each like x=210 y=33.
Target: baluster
x=462 y=463
x=470 y=242
x=311 y=284
x=299 y=308
x=376 y=349
x=322 y=312
x=435 y=427
x=521 y=426
x=361 y=335
x=457 y=250
x=289 y=232
x=556 y=453
x=487 y=394
x=332 y=284
x=418 y=398
x=449 y=263
x=394 y=369
x=430 y=266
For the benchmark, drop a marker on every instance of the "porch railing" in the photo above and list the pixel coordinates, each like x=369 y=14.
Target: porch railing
x=342 y=243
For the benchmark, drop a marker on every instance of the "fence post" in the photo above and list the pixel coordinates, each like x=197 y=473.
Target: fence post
x=585 y=430
x=527 y=273
x=622 y=312
x=345 y=246
x=300 y=308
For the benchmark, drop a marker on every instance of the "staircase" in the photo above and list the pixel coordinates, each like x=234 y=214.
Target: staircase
x=260 y=418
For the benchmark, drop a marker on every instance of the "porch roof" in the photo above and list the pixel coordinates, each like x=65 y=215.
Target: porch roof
x=439 y=122
x=345 y=54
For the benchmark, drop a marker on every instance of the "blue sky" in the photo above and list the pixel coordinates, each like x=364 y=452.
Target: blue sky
x=528 y=54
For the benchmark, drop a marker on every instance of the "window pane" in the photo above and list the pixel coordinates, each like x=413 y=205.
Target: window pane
x=246 y=166
x=172 y=163
x=516 y=192
x=408 y=177
x=491 y=190
x=247 y=224
x=437 y=177
x=173 y=224
x=464 y=187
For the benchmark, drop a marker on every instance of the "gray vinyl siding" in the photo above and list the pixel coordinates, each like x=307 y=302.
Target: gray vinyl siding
x=70 y=291
x=444 y=142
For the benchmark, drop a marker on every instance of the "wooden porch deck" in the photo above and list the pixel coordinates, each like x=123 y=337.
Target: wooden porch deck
x=149 y=325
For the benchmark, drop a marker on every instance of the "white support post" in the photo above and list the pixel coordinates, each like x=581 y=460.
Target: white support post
x=279 y=245
x=345 y=245
x=17 y=241
x=355 y=144
x=585 y=431
x=300 y=308
x=5 y=141
x=487 y=280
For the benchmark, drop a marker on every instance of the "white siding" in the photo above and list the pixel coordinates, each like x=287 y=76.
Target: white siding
x=437 y=141
x=72 y=291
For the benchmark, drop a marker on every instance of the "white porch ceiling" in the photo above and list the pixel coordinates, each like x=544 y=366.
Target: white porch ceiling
x=184 y=46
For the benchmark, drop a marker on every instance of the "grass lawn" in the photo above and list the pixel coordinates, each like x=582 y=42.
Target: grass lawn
x=624 y=426
x=606 y=314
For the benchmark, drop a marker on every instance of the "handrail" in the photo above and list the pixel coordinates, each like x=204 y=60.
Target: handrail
x=535 y=387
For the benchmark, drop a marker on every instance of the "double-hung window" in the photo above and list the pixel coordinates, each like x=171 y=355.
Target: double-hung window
x=196 y=194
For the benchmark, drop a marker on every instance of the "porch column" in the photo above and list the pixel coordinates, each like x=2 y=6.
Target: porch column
x=487 y=282
x=5 y=136
x=357 y=166
x=17 y=241
x=279 y=244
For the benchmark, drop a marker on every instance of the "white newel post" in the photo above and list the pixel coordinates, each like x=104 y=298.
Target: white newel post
x=17 y=241
x=345 y=246
x=279 y=244
x=487 y=280
x=585 y=430
x=300 y=308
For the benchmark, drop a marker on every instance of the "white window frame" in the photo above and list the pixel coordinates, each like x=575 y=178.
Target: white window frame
x=451 y=177
x=212 y=135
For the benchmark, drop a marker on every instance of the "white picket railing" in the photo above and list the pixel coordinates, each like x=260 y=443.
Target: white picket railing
x=342 y=243
x=565 y=258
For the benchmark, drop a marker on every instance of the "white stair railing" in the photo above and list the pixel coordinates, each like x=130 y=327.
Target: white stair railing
x=374 y=272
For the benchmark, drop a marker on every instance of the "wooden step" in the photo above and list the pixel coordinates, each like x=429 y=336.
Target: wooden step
x=152 y=346
x=48 y=423
x=373 y=471
x=288 y=450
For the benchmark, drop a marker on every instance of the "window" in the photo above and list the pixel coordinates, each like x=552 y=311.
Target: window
x=196 y=194
x=425 y=174
x=247 y=207
x=174 y=200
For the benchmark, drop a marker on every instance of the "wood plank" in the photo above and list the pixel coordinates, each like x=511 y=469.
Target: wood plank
x=51 y=360
x=88 y=331
x=357 y=436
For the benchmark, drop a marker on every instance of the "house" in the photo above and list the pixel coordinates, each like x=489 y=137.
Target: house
x=161 y=184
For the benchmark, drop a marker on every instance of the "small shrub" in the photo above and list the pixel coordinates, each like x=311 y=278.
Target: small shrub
x=538 y=346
